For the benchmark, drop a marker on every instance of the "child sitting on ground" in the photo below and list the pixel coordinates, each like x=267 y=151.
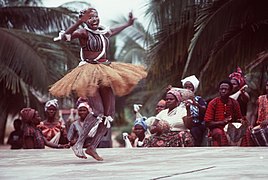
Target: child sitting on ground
x=138 y=134
x=15 y=137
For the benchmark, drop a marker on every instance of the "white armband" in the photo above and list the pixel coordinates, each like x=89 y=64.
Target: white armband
x=61 y=34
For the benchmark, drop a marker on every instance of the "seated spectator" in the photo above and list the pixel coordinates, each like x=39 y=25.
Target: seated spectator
x=239 y=93
x=138 y=133
x=53 y=129
x=259 y=132
x=262 y=108
x=76 y=127
x=15 y=137
x=222 y=110
x=32 y=136
x=198 y=108
x=161 y=105
x=168 y=129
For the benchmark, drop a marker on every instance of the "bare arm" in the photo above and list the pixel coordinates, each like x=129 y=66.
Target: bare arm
x=74 y=31
x=52 y=145
x=124 y=26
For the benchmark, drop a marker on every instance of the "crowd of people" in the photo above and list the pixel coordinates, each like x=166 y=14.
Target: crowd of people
x=182 y=119
x=192 y=121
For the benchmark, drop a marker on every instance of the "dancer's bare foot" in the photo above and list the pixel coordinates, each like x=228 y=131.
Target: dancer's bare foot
x=92 y=152
x=78 y=151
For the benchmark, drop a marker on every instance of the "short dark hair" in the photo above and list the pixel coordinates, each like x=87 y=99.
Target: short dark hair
x=226 y=81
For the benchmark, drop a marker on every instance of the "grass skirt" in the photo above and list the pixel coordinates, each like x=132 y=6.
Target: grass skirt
x=86 y=79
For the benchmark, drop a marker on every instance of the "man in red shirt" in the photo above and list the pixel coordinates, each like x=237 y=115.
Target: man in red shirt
x=222 y=110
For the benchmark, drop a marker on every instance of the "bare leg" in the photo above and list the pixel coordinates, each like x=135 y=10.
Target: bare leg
x=78 y=147
x=91 y=149
x=108 y=101
x=106 y=105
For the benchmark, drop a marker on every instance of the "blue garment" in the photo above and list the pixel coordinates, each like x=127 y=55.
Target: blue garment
x=198 y=117
x=141 y=121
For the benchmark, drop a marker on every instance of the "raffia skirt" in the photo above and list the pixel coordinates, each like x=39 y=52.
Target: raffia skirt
x=86 y=79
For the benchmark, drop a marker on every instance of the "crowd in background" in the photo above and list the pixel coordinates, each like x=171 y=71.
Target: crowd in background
x=182 y=119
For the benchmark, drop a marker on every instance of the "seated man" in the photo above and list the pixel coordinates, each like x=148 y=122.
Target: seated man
x=222 y=110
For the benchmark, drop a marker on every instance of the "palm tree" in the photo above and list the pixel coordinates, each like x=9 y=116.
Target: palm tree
x=30 y=61
x=237 y=33
x=208 y=39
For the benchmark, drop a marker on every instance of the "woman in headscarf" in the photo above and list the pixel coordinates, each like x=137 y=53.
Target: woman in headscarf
x=32 y=136
x=53 y=129
x=96 y=77
x=168 y=129
x=139 y=132
x=76 y=127
x=198 y=108
x=240 y=94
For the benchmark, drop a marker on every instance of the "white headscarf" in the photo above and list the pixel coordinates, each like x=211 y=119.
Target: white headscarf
x=53 y=102
x=84 y=104
x=191 y=79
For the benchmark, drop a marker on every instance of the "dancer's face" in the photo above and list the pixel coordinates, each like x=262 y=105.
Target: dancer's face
x=93 y=19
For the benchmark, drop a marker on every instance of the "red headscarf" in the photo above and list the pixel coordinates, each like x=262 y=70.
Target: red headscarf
x=27 y=114
x=238 y=75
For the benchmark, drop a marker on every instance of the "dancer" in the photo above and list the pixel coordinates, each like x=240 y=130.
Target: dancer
x=96 y=77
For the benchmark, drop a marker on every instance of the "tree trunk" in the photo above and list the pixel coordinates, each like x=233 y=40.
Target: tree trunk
x=3 y=121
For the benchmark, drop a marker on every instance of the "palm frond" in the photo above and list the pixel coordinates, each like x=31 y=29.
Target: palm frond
x=36 y=19
x=174 y=29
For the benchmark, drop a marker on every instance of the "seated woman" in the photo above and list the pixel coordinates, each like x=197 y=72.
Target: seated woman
x=139 y=132
x=259 y=132
x=53 y=129
x=198 y=108
x=32 y=136
x=76 y=127
x=168 y=129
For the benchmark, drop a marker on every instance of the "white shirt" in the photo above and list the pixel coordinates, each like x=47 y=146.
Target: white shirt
x=174 y=117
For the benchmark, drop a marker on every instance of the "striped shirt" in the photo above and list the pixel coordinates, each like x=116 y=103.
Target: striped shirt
x=218 y=111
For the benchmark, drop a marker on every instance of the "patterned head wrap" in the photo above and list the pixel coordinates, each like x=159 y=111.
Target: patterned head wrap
x=141 y=121
x=238 y=76
x=84 y=104
x=53 y=102
x=27 y=114
x=177 y=94
x=191 y=79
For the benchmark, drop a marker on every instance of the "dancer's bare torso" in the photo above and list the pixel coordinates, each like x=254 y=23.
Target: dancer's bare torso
x=91 y=44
